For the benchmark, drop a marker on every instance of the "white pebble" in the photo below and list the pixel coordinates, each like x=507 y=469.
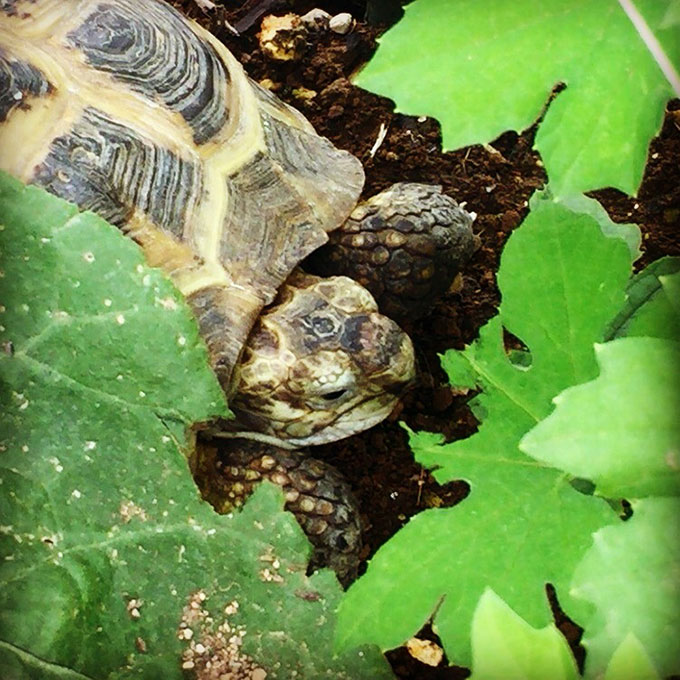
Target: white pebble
x=341 y=23
x=316 y=19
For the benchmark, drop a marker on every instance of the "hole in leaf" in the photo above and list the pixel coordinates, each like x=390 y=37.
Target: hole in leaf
x=406 y=665
x=517 y=352
x=626 y=510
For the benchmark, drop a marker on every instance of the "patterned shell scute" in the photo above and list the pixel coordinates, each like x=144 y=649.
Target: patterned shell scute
x=283 y=185
x=175 y=67
x=104 y=166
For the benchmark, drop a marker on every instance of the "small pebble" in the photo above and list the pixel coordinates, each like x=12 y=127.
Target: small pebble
x=341 y=23
x=316 y=19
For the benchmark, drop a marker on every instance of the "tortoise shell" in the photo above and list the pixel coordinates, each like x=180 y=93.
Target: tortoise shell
x=126 y=108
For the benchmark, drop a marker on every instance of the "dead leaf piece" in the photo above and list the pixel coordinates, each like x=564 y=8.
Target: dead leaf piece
x=283 y=38
x=425 y=651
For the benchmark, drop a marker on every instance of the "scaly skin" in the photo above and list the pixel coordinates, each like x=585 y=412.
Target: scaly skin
x=316 y=493
x=405 y=245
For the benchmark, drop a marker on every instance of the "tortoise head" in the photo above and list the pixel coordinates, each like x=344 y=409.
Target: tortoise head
x=321 y=364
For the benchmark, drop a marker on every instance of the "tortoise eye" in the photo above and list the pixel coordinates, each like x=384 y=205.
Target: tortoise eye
x=332 y=396
x=323 y=326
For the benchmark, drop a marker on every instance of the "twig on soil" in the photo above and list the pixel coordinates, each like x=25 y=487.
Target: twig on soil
x=421 y=481
x=382 y=133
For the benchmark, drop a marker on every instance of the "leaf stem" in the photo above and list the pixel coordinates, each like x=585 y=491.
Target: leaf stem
x=653 y=45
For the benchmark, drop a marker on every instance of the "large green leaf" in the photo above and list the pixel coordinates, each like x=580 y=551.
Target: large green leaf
x=622 y=430
x=523 y=524
x=104 y=539
x=632 y=577
x=483 y=66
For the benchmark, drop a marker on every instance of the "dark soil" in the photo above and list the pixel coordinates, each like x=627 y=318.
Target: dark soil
x=495 y=181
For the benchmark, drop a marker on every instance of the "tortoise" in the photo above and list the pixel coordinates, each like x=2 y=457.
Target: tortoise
x=128 y=109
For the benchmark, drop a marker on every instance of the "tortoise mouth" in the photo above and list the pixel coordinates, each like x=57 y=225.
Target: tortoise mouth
x=357 y=419
x=313 y=427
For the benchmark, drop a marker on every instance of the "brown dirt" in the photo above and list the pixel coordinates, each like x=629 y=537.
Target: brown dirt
x=496 y=182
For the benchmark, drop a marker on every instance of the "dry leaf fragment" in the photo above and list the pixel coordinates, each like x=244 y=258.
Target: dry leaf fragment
x=425 y=651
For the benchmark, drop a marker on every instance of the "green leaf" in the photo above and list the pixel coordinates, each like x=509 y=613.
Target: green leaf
x=660 y=317
x=631 y=576
x=482 y=67
x=579 y=203
x=561 y=280
x=104 y=539
x=630 y=660
x=652 y=306
x=505 y=646
x=622 y=430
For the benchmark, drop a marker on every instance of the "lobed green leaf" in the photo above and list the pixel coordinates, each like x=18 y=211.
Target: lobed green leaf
x=104 y=540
